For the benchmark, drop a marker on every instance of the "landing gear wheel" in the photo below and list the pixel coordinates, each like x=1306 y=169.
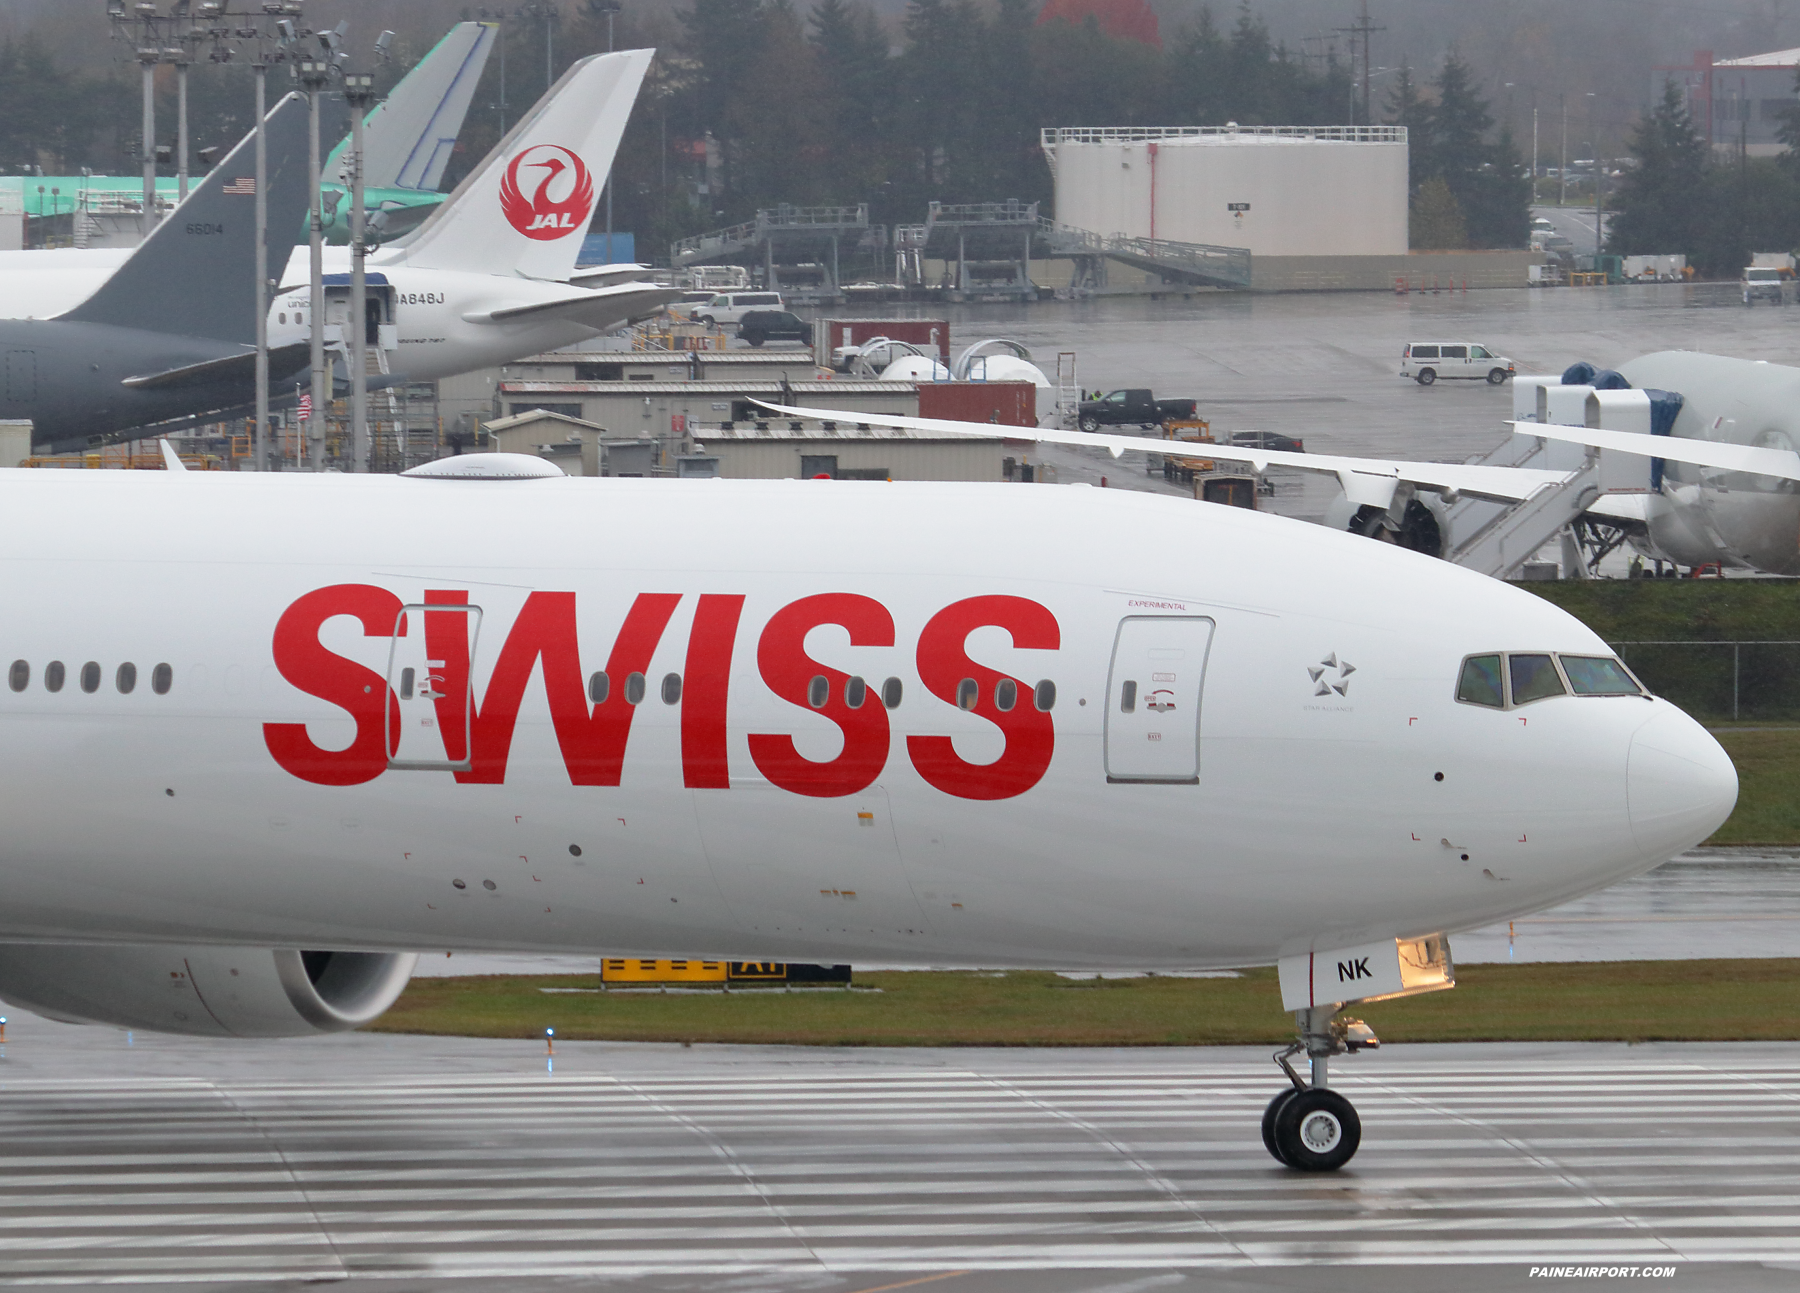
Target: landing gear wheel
x=1426 y=376
x=1496 y=376
x=1316 y=1131
x=1268 y=1122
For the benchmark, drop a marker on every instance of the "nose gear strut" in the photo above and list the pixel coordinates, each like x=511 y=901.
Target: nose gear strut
x=1312 y=1128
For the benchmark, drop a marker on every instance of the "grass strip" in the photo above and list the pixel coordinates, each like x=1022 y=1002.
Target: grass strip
x=1629 y=1001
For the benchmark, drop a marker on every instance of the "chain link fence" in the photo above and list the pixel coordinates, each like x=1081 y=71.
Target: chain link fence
x=1738 y=681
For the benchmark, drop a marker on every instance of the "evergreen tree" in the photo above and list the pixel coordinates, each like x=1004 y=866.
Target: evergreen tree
x=1662 y=205
x=1437 y=218
x=1406 y=107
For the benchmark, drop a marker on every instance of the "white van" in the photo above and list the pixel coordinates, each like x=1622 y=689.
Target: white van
x=731 y=307
x=1426 y=361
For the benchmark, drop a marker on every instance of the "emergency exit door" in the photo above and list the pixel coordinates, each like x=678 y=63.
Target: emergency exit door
x=1153 y=699
x=431 y=705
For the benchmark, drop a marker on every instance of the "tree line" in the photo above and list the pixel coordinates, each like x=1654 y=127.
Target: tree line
x=754 y=103
x=1683 y=197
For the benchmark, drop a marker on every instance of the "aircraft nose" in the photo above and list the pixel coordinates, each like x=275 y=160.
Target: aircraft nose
x=1681 y=785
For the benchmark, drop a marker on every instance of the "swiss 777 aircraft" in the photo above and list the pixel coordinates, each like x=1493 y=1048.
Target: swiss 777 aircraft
x=483 y=706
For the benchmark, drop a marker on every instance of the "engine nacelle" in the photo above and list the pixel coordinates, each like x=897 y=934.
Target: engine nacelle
x=205 y=991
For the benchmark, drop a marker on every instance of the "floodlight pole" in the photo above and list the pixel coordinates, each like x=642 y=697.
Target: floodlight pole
x=314 y=75
x=147 y=55
x=359 y=90
x=258 y=445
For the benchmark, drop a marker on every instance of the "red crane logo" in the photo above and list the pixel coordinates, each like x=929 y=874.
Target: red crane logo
x=542 y=215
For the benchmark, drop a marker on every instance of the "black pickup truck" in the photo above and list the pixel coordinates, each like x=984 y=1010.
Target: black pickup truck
x=1123 y=408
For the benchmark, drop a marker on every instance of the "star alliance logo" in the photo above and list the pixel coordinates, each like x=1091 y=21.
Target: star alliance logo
x=1324 y=686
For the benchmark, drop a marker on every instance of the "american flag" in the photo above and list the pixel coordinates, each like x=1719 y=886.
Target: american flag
x=243 y=184
x=305 y=406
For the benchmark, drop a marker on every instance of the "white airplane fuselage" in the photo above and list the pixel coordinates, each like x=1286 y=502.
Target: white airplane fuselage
x=1294 y=768
x=435 y=338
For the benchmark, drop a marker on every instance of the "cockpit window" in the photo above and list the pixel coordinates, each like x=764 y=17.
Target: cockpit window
x=1506 y=681
x=1596 y=675
x=1480 y=683
x=1533 y=678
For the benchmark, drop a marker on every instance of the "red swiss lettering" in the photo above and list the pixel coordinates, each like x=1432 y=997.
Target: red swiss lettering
x=788 y=670
x=593 y=738
x=943 y=664
x=348 y=685
x=706 y=684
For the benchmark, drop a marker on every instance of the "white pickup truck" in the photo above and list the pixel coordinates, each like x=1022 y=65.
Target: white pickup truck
x=1761 y=281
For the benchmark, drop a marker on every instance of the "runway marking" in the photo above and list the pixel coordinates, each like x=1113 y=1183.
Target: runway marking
x=906 y=1284
x=1597 y=1159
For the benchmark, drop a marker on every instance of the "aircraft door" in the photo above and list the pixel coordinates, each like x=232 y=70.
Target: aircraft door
x=1153 y=699
x=430 y=727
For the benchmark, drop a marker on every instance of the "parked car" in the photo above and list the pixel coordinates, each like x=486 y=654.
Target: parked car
x=731 y=307
x=1427 y=361
x=689 y=303
x=1136 y=405
x=759 y=326
x=1760 y=281
x=1267 y=440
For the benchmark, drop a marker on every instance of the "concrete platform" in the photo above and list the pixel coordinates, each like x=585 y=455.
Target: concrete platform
x=406 y=1162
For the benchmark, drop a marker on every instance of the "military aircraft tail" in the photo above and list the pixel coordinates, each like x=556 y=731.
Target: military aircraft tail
x=195 y=275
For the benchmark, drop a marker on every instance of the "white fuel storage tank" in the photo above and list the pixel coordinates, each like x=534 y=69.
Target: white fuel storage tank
x=1277 y=190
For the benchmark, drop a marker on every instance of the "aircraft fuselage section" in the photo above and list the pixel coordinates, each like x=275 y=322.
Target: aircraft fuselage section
x=807 y=720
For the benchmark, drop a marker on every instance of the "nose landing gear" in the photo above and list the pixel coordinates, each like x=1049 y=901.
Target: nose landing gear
x=1312 y=1128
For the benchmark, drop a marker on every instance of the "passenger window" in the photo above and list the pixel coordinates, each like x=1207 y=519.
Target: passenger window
x=1045 y=695
x=1589 y=675
x=126 y=679
x=599 y=687
x=634 y=689
x=1479 y=352
x=406 y=684
x=968 y=694
x=161 y=679
x=856 y=691
x=1456 y=352
x=19 y=678
x=1128 y=698
x=1533 y=678
x=53 y=676
x=1006 y=694
x=891 y=692
x=671 y=689
x=90 y=677
x=1424 y=352
x=818 y=691
x=1480 y=683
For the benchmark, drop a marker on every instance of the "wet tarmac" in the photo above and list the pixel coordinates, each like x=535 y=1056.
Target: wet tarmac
x=1324 y=367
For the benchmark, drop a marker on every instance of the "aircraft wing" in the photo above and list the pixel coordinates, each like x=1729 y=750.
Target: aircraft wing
x=1364 y=480
x=1702 y=453
x=284 y=361
x=609 y=275
x=600 y=309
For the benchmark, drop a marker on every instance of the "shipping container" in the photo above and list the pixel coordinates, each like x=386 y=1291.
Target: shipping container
x=927 y=334
x=1012 y=404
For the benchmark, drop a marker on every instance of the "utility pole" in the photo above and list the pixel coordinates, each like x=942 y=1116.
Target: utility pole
x=1363 y=30
x=359 y=91
x=1562 y=171
x=1534 y=149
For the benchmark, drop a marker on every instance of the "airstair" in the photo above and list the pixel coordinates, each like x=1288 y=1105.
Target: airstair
x=1197 y=264
x=1499 y=538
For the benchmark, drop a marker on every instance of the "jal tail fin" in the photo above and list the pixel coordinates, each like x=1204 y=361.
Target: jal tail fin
x=408 y=138
x=195 y=275
x=525 y=210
